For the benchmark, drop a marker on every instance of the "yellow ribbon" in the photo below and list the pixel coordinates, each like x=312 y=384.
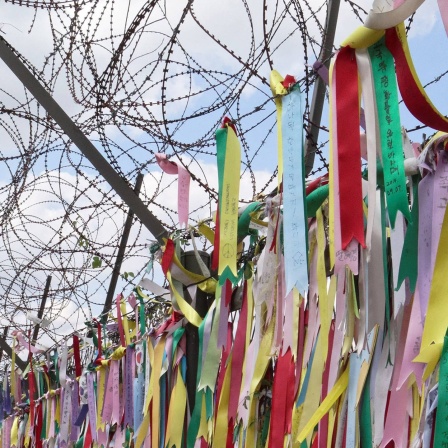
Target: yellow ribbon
x=15 y=432
x=296 y=416
x=312 y=397
x=262 y=361
x=278 y=89
x=187 y=310
x=145 y=296
x=148 y=395
x=250 y=308
x=27 y=438
x=429 y=355
x=220 y=436
x=331 y=199
x=436 y=321
x=125 y=322
x=252 y=425
x=415 y=421
x=205 y=284
x=132 y=329
x=203 y=427
x=363 y=37
x=331 y=424
x=337 y=390
x=100 y=400
x=58 y=410
x=205 y=230
x=176 y=413
x=48 y=406
x=350 y=319
x=118 y=353
x=258 y=222
x=326 y=300
x=154 y=389
x=228 y=208
x=143 y=430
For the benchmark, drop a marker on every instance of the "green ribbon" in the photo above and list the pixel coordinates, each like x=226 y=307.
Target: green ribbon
x=409 y=254
x=141 y=313
x=43 y=432
x=195 y=421
x=55 y=376
x=41 y=384
x=221 y=136
x=221 y=140
x=265 y=427
x=177 y=335
x=441 y=433
x=315 y=199
x=386 y=94
x=128 y=437
x=208 y=403
x=244 y=220
x=366 y=423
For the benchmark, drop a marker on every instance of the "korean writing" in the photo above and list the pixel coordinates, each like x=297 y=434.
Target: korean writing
x=293 y=195
x=390 y=130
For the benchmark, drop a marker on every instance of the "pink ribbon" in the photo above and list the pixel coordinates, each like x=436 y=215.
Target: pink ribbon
x=116 y=405
x=108 y=404
x=22 y=343
x=91 y=399
x=183 y=191
x=443 y=7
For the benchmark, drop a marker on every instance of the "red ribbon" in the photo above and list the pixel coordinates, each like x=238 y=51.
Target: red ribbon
x=409 y=89
x=300 y=346
x=77 y=356
x=288 y=82
x=119 y=321
x=38 y=430
x=168 y=255
x=88 y=437
x=238 y=358
x=165 y=326
x=222 y=371
x=349 y=147
x=32 y=391
x=228 y=293
x=280 y=399
x=229 y=441
x=100 y=343
x=290 y=396
x=316 y=183
x=227 y=122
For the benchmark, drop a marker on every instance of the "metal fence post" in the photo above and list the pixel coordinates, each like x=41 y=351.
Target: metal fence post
x=201 y=305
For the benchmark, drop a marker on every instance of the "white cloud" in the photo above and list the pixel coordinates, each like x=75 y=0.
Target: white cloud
x=425 y=19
